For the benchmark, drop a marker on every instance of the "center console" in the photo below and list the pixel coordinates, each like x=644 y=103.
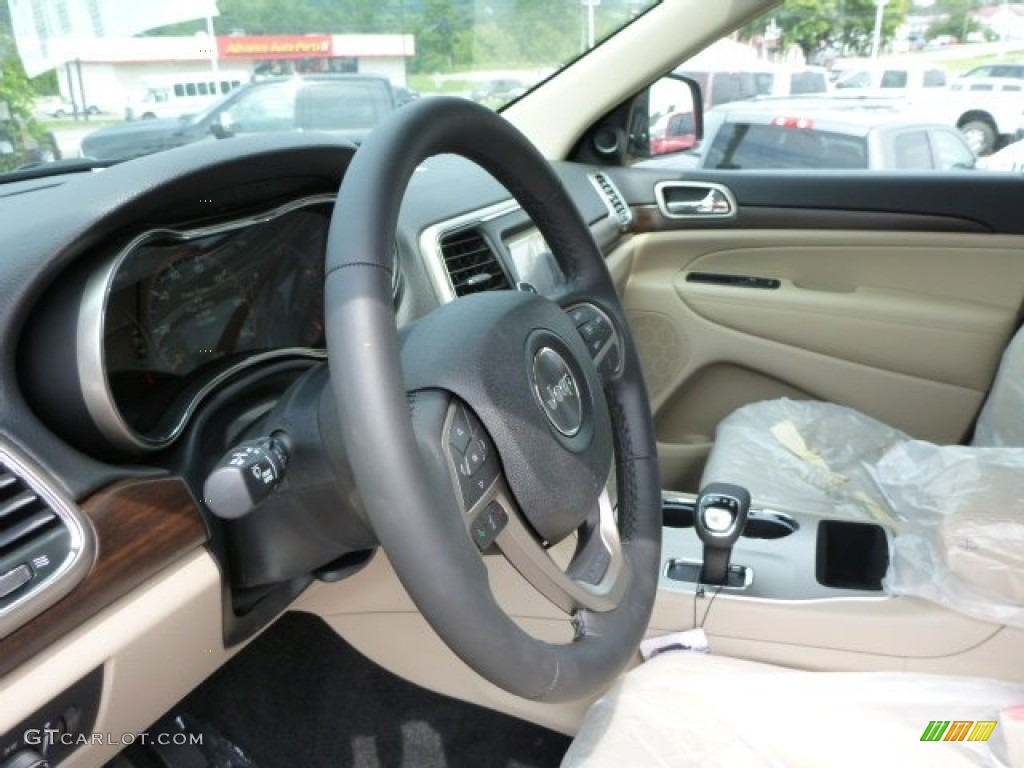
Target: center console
x=777 y=555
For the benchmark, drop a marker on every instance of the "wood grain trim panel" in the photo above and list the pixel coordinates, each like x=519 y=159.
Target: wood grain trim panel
x=141 y=527
x=649 y=218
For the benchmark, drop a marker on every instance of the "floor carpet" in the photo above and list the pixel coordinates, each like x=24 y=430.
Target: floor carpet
x=301 y=697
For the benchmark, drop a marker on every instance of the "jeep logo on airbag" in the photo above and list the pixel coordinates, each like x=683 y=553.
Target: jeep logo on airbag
x=557 y=391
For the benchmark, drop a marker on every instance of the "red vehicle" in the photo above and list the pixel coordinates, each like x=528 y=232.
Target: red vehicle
x=679 y=134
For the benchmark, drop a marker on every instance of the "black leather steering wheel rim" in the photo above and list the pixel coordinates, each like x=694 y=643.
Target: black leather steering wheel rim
x=445 y=579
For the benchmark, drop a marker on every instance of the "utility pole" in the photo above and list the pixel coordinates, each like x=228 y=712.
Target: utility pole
x=589 y=5
x=876 y=38
x=214 y=51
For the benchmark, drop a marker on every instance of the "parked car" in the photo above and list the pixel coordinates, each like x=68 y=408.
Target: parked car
x=997 y=70
x=23 y=145
x=404 y=95
x=988 y=110
x=349 y=105
x=818 y=134
x=673 y=132
x=1009 y=158
x=59 y=107
x=503 y=89
x=53 y=106
x=797 y=136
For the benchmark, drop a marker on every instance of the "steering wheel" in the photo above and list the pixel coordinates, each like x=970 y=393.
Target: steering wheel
x=501 y=421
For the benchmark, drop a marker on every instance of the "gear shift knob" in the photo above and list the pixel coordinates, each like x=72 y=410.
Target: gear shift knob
x=719 y=517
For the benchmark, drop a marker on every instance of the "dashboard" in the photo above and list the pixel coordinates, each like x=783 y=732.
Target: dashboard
x=167 y=307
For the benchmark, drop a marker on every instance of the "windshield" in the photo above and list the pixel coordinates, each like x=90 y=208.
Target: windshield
x=111 y=79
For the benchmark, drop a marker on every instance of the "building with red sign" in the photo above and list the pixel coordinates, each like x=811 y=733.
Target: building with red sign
x=109 y=73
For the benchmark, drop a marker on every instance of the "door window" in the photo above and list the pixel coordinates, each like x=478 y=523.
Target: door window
x=894 y=78
x=951 y=154
x=339 y=107
x=265 y=108
x=910 y=151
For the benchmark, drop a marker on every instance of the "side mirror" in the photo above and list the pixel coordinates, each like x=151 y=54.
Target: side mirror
x=223 y=125
x=667 y=118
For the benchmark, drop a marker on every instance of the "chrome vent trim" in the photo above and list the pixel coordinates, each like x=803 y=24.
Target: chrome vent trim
x=430 y=243
x=46 y=548
x=471 y=263
x=613 y=199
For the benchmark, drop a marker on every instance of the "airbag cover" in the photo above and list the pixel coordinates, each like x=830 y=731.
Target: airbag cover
x=484 y=348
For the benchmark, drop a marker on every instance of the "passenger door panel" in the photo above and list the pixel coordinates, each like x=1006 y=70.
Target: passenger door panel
x=907 y=326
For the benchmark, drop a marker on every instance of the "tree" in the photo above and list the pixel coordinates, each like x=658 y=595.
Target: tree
x=440 y=44
x=846 y=25
x=954 y=18
x=544 y=31
x=18 y=125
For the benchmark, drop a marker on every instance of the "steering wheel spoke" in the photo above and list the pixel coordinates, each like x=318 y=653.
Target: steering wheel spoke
x=596 y=578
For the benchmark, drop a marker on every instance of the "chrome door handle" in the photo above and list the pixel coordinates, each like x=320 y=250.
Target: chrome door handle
x=695 y=200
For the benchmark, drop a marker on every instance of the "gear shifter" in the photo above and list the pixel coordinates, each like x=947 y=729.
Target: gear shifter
x=719 y=518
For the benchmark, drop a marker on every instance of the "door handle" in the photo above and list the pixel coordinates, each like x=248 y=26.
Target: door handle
x=695 y=200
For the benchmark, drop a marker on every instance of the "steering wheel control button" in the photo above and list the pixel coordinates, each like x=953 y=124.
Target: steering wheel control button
x=718 y=519
x=246 y=476
x=460 y=432
x=582 y=314
x=596 y=334
x=487 y=525
x=592 y=338
x=557 y=391
x=476 y=455
x=609 y=364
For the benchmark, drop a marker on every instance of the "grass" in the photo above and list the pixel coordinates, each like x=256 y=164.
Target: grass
x=99 y=121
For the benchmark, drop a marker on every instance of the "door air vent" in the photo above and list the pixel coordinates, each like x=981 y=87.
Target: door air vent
x=42 y=543
x=471 y=263
x=613 y=199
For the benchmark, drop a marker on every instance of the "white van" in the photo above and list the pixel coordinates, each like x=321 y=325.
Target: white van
x=895 y=78
x=181 y=94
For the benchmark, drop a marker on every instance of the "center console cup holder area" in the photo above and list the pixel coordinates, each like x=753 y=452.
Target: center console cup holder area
x=761 y=523
x=780 y=555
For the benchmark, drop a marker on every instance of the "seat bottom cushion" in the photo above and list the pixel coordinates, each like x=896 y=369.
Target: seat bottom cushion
x=804 y=456
x=683 y=709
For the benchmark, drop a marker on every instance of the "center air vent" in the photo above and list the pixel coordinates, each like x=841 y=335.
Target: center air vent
x=613 y=199
x=41 y=542
x=471 y=263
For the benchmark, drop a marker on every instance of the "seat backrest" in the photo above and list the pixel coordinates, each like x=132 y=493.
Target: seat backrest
x=1001 y=422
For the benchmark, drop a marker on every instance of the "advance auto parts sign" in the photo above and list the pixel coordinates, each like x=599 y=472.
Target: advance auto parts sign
x=274 y=47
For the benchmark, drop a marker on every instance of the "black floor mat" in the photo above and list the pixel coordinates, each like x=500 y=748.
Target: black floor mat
x=301 y=697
